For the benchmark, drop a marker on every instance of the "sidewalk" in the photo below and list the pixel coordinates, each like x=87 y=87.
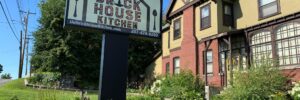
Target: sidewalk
x=3 y=81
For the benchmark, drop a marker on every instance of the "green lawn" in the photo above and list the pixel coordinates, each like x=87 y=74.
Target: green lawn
x=17 y=89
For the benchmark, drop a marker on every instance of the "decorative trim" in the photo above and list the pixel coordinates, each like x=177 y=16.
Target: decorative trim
x=175 y=49
x=166 y=57
x=171 y=15
x=254 y=27
x=290 y=67
x=273 y=22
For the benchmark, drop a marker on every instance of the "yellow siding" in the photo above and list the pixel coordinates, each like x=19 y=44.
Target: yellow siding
x=246 y=11
x=158 y=66
x=175 y=43
x=214 y=22
x=155 y=68
x=165 y=39
x=178 y=5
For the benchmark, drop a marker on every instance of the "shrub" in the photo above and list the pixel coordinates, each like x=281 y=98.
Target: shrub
x=181 y=86
x=295 y=92
x=5 y=76
x=49 y=79
x=259 y=82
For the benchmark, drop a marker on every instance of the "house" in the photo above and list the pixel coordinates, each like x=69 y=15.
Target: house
x=209 y=37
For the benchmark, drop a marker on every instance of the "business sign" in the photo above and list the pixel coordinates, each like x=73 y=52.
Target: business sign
x=135 y=17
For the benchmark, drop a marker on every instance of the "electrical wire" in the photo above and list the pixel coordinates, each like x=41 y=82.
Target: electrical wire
x=9 y=15
x=9 y=22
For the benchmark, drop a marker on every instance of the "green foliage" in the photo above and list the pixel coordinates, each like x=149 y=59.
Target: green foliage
x=5 y=76
x=295 y=92
x=140 y=55
x=259 y=82
x=1 y=68
x=141 y=98
x=182 y=86
x=49 y=79
x=69 y=52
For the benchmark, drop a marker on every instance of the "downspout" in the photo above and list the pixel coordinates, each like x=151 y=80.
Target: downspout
x=196 y=46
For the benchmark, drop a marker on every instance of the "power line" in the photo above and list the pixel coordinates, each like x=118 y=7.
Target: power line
x=19 y=8
x=9 y=14
x=8 y=22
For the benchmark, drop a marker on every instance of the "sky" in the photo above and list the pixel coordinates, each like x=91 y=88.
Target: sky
x=9 y=45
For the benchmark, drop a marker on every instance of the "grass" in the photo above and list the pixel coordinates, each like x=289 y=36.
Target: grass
x=16 y=90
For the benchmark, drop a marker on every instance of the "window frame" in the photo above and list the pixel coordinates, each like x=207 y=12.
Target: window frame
x=288 y=39
x=260 y=17
x=254 y=52
x=177 y=36
x=232 y=14
x=168 y=68
x=203 y=27
x=206 y=62
x=174 y=65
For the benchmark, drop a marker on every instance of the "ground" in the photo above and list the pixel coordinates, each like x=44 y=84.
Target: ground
x=17 y=89
x=3 y=81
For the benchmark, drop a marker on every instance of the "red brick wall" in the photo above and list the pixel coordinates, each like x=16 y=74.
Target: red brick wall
x=188 y=45
x=215 y=79
x=165 y=60
x=293 y=74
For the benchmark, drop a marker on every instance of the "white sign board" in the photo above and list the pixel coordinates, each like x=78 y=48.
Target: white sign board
x=135 y=17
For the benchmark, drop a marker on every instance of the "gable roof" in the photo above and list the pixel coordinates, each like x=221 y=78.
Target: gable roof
x=170 y=14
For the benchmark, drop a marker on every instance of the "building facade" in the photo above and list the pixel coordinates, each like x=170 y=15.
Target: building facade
x=212 y=38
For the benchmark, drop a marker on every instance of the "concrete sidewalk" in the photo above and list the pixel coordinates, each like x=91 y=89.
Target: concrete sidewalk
x=3 y=81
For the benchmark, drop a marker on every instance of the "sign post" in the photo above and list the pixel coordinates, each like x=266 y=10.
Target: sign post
x=119 y=19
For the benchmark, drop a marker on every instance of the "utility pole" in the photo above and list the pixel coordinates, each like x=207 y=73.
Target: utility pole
x=25 y=43
x=27 y=56
x=21 y=49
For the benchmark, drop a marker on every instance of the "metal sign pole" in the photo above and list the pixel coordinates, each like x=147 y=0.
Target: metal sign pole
x=114 y=67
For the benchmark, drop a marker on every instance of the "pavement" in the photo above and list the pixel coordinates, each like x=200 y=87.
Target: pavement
x=3 y=81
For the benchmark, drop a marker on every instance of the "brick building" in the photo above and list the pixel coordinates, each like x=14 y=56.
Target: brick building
x=209 y=37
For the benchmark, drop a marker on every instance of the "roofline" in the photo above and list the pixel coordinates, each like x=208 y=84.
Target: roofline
x=179 y=11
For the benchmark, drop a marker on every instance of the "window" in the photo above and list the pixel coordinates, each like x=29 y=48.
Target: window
x=177 y=29
x=261 y=46
x=209 y=62
x=205 y=17
x=288 y=44
x=268 y=8
x=227 y=14
x=168 y=68
x=176 y=64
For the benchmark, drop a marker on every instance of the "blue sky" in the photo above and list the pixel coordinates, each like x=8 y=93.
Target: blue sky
x=9 y=45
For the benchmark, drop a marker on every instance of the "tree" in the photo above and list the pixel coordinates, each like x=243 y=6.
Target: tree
x=69 y=52
x=1 y=68
x=5 y=76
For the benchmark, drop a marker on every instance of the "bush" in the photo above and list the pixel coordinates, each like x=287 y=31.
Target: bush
x=180 y=86
x=6 y=76
x=295 y=92
x=49 y=79
x=259 y=82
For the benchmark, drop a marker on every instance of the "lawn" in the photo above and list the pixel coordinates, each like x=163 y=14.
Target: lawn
x=17 y=90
